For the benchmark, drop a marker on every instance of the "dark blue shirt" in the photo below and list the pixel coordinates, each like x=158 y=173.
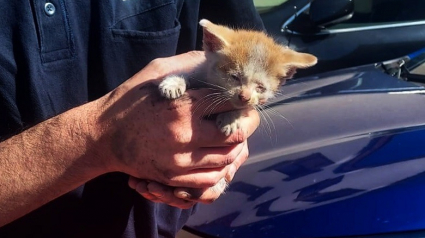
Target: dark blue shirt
x=57 y=56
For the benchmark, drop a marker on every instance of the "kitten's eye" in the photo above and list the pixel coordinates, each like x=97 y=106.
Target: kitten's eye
x=260 y=88
x=235 y=77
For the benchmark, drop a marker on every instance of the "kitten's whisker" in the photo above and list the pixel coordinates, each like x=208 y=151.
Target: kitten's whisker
x=215 y=86
x=271 y=122
x=285 y=96
x=277 y=113
x=214 y=102
x=263 y=122
x=206 y=100
x=267 y=122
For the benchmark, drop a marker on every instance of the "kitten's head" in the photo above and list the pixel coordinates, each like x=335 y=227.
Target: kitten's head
x=248 y=65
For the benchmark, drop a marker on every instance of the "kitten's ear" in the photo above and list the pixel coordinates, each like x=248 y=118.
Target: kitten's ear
x=215 y=37
x=300 y=60
x=295 y=60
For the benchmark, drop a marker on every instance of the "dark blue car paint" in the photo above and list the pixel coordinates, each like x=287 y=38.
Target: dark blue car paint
x=353 y=47
x=339 y=154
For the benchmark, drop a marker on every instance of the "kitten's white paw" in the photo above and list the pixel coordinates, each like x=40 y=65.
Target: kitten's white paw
x=220 y=187
x=228 y=122
x=172 y=87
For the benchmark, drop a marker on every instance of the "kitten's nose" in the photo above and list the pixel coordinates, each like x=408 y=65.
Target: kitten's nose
x=244 y=97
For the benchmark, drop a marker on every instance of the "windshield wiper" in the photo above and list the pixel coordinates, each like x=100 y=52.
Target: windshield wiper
x=409 y=68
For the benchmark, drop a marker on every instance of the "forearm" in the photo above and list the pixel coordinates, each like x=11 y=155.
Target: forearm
x=45 y=162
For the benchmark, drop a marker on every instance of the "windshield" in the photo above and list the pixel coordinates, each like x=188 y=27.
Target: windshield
x=409 y=68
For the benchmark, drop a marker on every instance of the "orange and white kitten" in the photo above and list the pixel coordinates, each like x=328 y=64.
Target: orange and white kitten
x=245 y=67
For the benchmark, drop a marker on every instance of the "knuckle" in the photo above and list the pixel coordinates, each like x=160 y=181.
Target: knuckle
x=184 y=137
x=229 y=158
x=160 y=66
x=238 y=136
x=194 y=53
x=181 y=163
x=166 y=177
x=158 y=62
x=209 y=200
x=178 y=163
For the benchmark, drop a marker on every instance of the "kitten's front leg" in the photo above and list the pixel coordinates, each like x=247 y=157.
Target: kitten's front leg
x=229 y=122
x=173 y=86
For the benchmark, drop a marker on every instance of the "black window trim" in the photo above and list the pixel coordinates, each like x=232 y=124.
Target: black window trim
x=350 y=29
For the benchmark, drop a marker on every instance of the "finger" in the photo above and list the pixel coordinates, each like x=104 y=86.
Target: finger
x=202 y=195
x=199 y=178
x=206 y=132
x=240 y=159
x=165 y=194
x=142 y=188
x=215 y=157
x=205 y=103
x=177 y=64
x=211 y=193
x=191 y=59
x=214 y=161
x=156 y=192
x=133 y=181
x=249 y=122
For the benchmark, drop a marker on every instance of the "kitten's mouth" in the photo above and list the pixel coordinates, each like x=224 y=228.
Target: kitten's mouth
x=240 y=105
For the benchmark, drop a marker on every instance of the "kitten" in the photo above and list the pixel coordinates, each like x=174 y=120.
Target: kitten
x=246 y=67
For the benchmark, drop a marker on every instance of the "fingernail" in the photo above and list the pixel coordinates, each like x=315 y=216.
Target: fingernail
x=182 y=194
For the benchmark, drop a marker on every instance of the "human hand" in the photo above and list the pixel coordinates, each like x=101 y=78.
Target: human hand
x=187 y=197
x=169 y=142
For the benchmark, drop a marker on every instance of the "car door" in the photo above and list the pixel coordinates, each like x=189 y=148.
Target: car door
x=377 y=30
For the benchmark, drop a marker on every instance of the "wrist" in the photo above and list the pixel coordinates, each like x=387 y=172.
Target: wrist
x=87 y=133
x=101 y=124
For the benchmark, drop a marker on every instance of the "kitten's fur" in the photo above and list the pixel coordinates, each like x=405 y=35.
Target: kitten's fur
x=246 y=67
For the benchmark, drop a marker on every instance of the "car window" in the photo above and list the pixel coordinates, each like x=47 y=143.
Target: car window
x=367 y=13
x=265 y=5
x=376 y=12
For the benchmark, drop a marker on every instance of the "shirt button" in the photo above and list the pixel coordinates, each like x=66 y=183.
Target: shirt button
x=49 y=9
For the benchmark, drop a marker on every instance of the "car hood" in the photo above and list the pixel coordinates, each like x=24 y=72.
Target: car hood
x=338 y=154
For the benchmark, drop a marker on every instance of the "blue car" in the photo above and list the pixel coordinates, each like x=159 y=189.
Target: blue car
x=340 y=154
x=346 y=33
